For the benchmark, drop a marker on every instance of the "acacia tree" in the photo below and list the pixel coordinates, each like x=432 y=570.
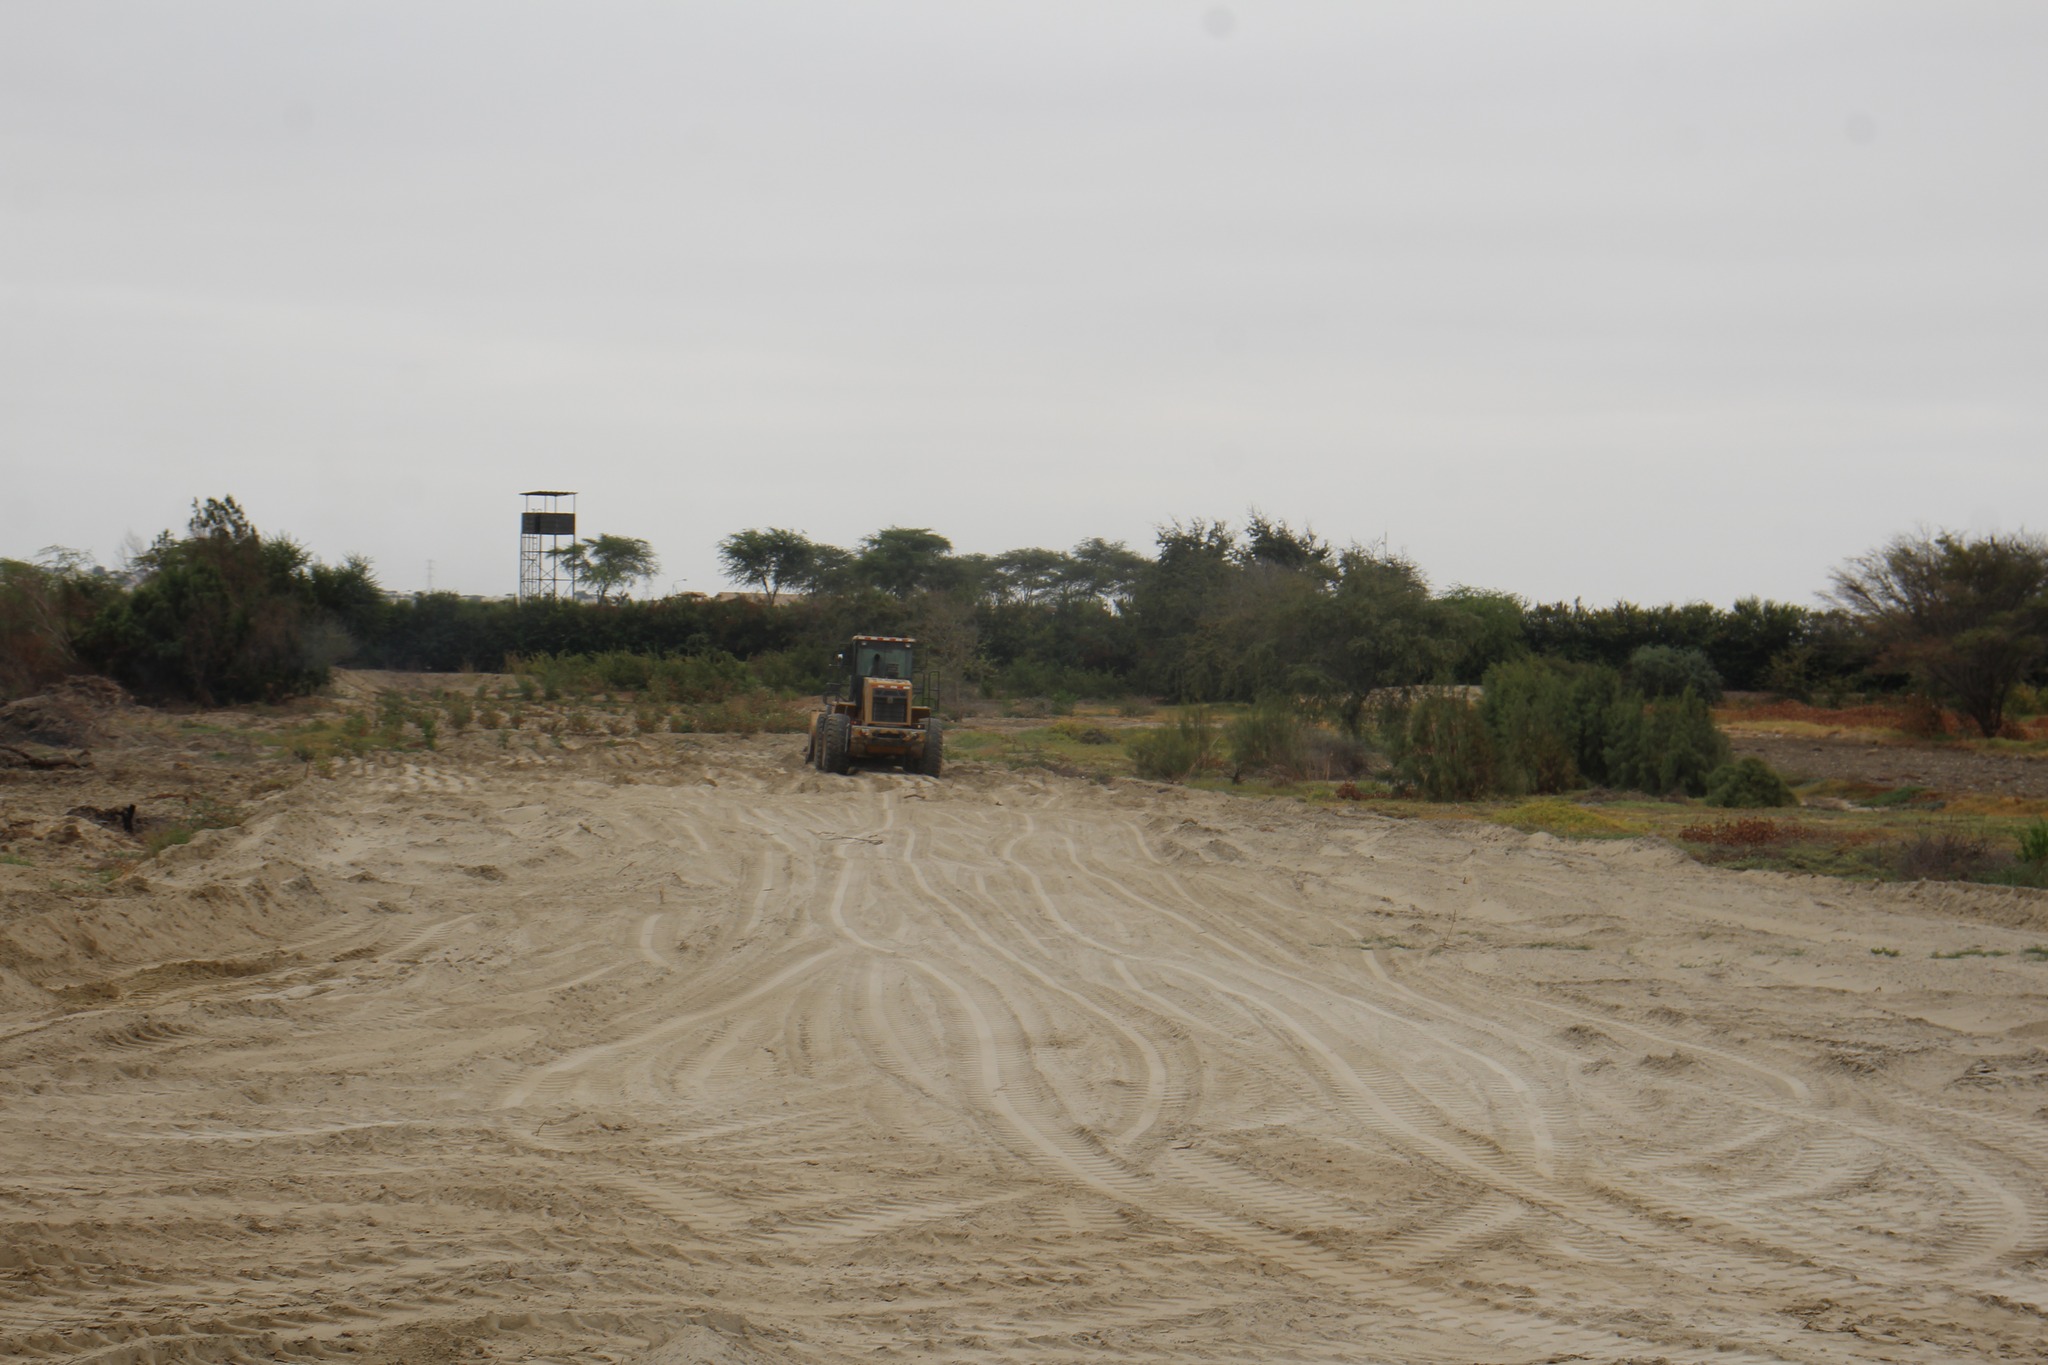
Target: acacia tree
x=774 y=558
x=901 y=560
x=1967 y=618
x=609 y=563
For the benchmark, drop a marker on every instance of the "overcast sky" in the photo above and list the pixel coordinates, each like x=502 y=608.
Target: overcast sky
x=1659 y=301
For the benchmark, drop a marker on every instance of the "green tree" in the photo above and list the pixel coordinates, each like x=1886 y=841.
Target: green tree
x=1106 y=570
x=901 y=560
x=1280 y=546
x=1173 y=598
x=1377 y=628
x=610 y=564
x=1490 y=623
x=1966 y=617
x=1664 y=671
x=225 y=614
x=1033 y=575
x=44 y=608
x=774 y=558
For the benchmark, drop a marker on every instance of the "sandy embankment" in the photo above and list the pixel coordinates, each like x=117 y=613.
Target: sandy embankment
x=671 y=1050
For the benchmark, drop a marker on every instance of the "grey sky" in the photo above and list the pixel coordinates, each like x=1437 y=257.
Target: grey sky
x=1658 y=301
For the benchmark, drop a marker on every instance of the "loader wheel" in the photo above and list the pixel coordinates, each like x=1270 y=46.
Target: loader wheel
x=835 y=735
x=934 y=756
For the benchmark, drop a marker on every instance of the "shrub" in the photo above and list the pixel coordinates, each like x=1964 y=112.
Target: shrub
x=1790 y=673
x=1749 y=833
x=1747 y=784
x=744 y=713
x=44 y=608
x=1659 y=671
x=1441 y=749
x=2034 y=842
x=228 y=615
x=1080 y=732
x=1946 y=856
x=1173 y=753
x=1549 y=723
x=1664 y=747
x=1329 y=754
x=1268 y=738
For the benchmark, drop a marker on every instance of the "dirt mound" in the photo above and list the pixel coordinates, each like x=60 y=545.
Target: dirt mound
x=70 y=715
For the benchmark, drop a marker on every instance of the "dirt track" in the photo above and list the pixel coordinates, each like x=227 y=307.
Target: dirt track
x=671 y=1050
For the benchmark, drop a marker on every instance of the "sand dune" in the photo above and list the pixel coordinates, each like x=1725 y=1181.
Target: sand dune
x=671 y=1050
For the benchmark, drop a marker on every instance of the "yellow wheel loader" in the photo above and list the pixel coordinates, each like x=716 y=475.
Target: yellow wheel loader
x=879 y=719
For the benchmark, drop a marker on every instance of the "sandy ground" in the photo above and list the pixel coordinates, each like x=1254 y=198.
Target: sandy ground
x=670 y=1050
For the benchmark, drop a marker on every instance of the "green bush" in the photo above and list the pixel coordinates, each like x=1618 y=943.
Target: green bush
x=1332 y=755
x=228 y=615
x=2034 y=842
x=1269 y=738
x=1548 y=720
x=1441 y=749
x=1659 y=671
x=1746 y=784
x=1663 y=747
x=1173 y=753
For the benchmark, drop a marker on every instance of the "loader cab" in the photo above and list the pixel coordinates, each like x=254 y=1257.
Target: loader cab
x=879 y=679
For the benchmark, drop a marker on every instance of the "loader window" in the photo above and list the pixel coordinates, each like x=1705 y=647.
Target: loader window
x=883 y=661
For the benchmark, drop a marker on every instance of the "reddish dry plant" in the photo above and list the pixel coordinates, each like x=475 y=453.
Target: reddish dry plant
x=1348 y=791
x=1745 y=833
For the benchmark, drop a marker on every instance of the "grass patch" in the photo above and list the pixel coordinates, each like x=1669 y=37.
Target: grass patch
x=1553 y=815
x=1884 y=952
x=1967 y=952
x=201 y=813
x=1899 y=797
x=1068 y=747
x=14 y=860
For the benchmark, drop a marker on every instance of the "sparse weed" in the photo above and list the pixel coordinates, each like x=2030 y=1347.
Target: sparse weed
x=1944 y=856
x=1884 y=952
x=1173 y=753
x=1081 y=732
x=1967 y=952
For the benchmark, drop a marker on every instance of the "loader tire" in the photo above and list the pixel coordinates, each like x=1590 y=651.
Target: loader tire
x=933 y=758
x=835 y=737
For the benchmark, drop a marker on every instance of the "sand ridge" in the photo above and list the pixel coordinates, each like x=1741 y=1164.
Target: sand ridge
x=669 y=1049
